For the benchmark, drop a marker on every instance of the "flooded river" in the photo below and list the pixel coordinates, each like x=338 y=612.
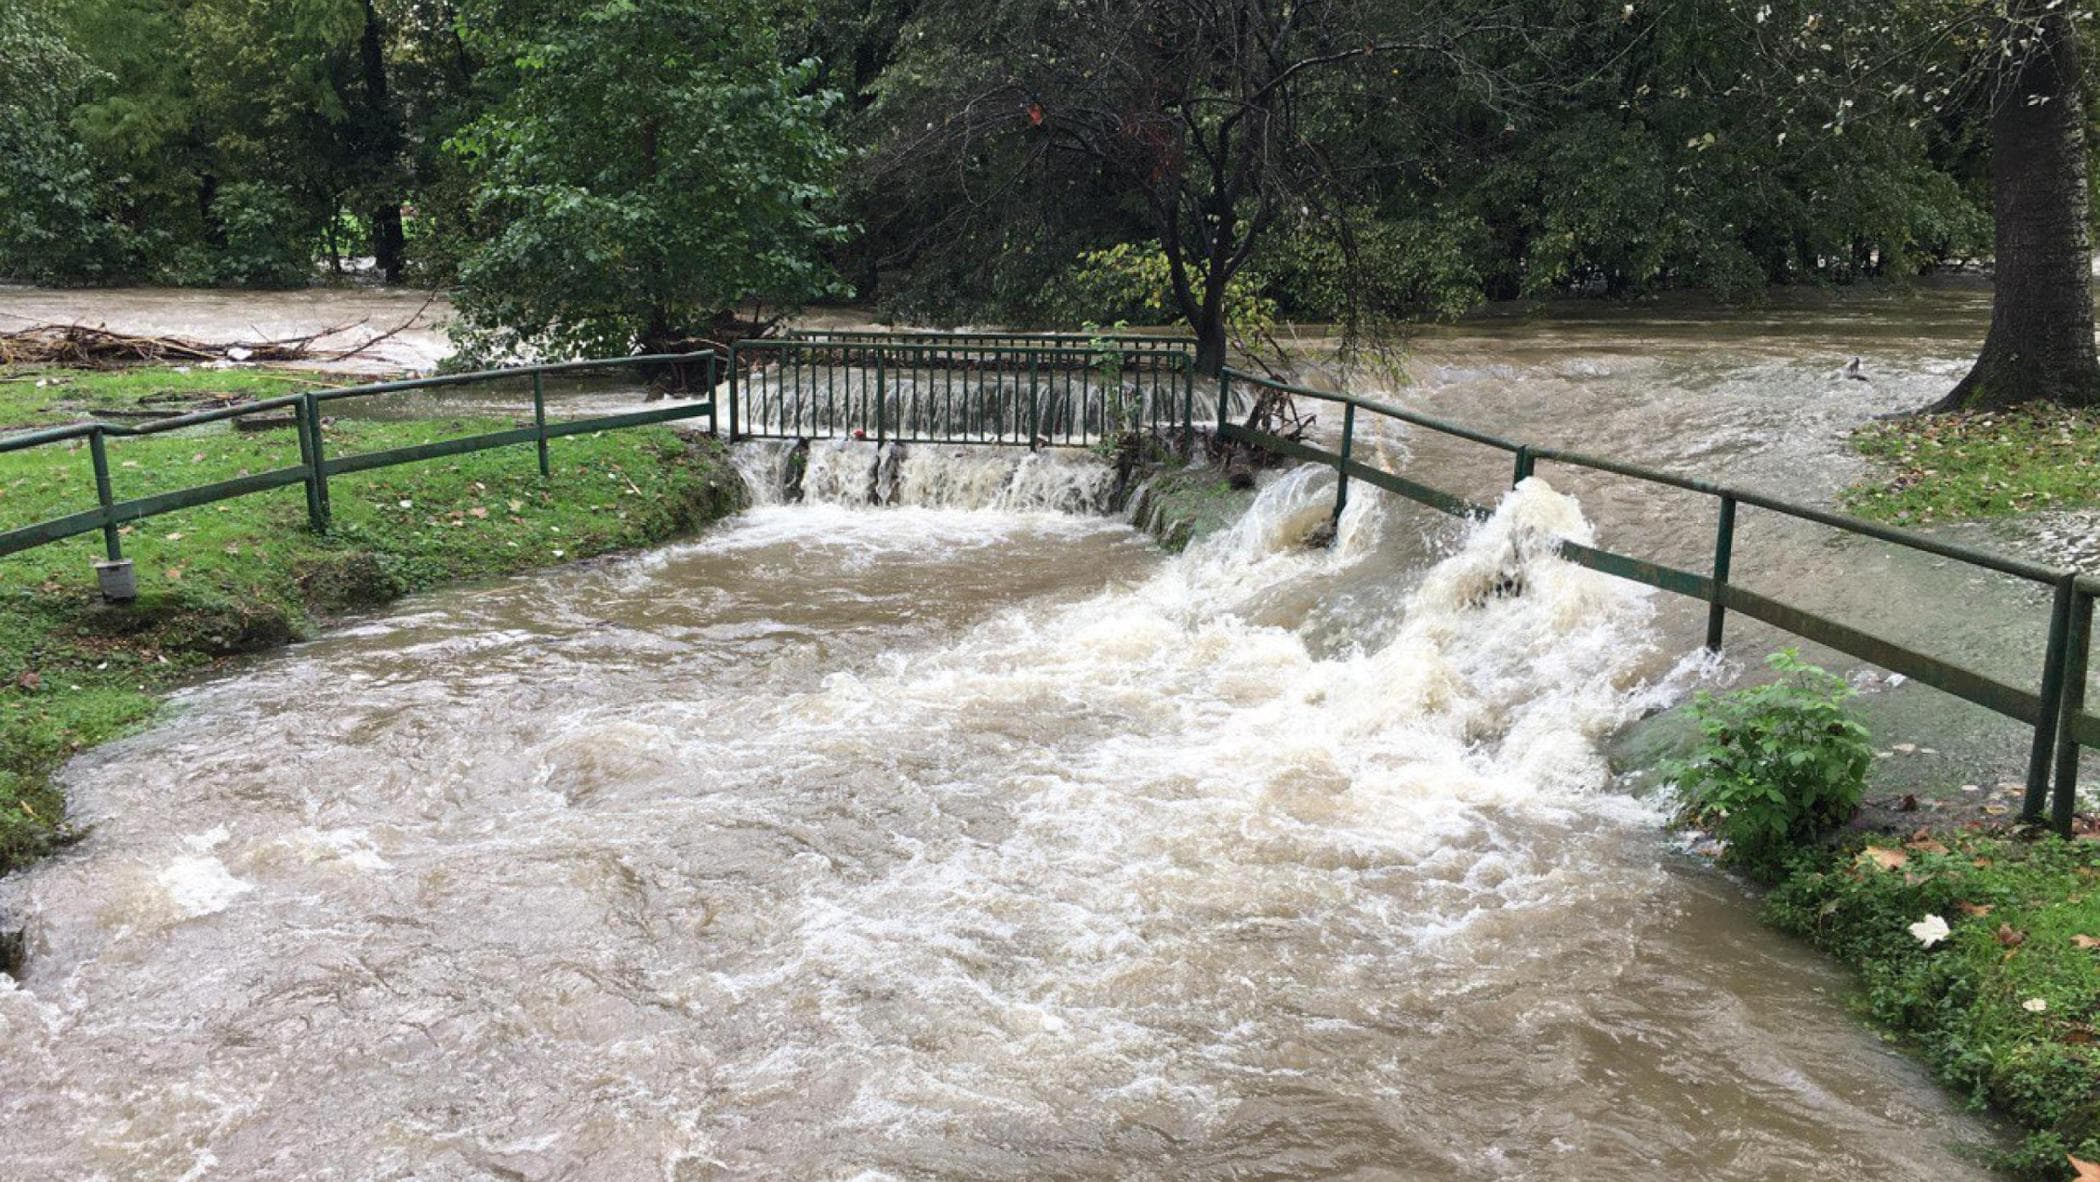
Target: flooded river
x=969 y=839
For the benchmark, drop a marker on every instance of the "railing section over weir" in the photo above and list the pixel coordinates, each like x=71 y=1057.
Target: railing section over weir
x=1083 y=389
x=962 y=388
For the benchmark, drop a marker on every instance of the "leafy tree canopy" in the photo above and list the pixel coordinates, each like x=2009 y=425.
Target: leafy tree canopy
x=652 y=163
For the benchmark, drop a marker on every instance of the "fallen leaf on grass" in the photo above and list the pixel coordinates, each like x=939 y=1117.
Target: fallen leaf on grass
x=478 y=511
x=30 y=680
x=2011 y=936
x=1886 y=857
x=1926 y=845
x=2084 y=941
x=1978 y=910
x=174 y=574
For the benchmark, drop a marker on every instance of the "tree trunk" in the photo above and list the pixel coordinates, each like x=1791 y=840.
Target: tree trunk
x=389 y=242
x=1210 y=342
x=2040 y=344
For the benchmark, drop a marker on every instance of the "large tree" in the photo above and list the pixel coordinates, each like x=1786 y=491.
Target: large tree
x=2040 y=344
x=1202 y=121
x=651 y=164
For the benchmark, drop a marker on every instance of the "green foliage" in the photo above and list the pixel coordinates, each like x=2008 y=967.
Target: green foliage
x=1777 y=765
x=2004 y=1007
x=652 y=164
x=1410 y=267
x=52 y=228
x=245 y=575
x=1934 y=468
x=1134 y=284
x=266 y=242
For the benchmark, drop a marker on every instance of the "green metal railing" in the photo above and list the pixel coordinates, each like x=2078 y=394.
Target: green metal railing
x=315 y=467
x=2055 y=709
x=910 y=390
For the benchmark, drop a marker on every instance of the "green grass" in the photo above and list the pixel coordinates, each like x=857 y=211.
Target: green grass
x=1936 y=468
x=246 y=575
x=2007 y=1008
x=39 y=396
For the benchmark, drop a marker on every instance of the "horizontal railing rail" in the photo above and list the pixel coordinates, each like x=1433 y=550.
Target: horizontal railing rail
x=2055 y=709
x=1123 y=340
x=315 y=466
x=911 y=390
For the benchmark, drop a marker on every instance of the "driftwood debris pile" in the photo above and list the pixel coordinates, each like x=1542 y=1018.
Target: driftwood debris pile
x=82 y=346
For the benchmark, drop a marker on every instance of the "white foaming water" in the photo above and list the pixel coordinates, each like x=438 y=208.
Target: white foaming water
x=927 y=475
x=821 y=848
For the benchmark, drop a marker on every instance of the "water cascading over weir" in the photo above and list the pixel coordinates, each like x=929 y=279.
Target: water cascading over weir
x=959 y=420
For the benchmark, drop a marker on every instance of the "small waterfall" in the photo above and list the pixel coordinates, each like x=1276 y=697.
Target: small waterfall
x=925 y=475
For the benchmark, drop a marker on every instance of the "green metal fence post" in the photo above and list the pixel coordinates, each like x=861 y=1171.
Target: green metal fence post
x=1188 y=408
x=881 y=398
x=1035 y=412
x=539 y=421
x=302 y=418
x=1724 y=554
x=2076 y=655
x=714 y=427
x=733 y=391
x=112 y=542
x=1224 y=397
x=1341 y=468
x=320 y=459
x=2054 y=682
x=1525 y=463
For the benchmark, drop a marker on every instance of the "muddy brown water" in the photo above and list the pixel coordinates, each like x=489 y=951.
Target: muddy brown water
x=967 y=842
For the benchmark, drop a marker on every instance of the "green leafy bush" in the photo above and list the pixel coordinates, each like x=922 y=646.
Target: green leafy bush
x=1777 y=765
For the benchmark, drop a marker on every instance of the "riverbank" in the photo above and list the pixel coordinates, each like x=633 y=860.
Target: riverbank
x=1979 y=950
x=223 y=581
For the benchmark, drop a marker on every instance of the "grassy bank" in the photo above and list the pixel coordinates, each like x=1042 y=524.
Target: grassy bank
x=1934 y=468
x=2003 y=1007
x=247 y=575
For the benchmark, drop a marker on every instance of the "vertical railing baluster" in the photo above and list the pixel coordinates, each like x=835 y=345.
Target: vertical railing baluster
x=881 y=401
x=1188 y=409
x=1724 y=554
x=733 y=407
x=1034 y=407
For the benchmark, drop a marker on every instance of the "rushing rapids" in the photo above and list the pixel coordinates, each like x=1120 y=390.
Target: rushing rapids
x=935 y=842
